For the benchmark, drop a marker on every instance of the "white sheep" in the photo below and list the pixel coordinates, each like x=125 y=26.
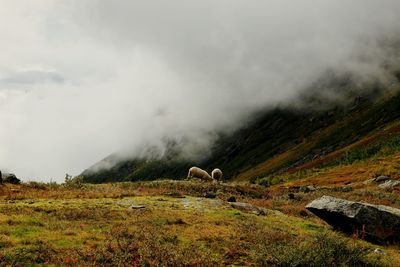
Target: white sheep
x=216 y=174
x=196 y=172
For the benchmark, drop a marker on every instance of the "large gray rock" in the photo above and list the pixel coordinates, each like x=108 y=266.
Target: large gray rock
x=376 y=223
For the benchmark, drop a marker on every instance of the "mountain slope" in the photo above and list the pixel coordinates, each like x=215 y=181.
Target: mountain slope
x=284 y=139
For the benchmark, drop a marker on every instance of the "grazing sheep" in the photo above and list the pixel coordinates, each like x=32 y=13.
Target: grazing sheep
x=216 y=174
x=196 y=172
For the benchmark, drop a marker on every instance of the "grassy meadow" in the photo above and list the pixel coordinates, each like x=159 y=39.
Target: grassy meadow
x=173 y=224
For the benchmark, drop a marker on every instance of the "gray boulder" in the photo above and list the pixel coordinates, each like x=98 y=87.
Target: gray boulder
x=375 y=223
x=389 y=184
x=381 y=179
x=10 y=178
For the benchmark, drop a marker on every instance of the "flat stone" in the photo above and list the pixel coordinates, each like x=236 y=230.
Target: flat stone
x=246 y=207
x=136 y=207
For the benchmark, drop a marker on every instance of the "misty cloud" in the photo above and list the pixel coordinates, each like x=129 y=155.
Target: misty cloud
x=113 y=76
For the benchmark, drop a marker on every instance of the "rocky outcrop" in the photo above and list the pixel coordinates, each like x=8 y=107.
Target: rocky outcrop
x=376 y=223
x=10 y=178
x=390 y=184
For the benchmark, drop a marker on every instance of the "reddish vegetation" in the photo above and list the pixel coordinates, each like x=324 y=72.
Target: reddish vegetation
x=338 y=153
x=289 y=155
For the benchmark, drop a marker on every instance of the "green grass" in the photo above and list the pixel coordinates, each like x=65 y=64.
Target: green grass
x=83 y=227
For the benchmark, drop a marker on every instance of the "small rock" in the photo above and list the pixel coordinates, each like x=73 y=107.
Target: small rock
x=389 y=184
x=304 y=189
x=174 y=194
x=232 y=199
x=311 y=188
x=303 y=213
x=381 y=179
x=210 y=195
x=176 y=221
x=292 y=196
x=379 y=251
x=15 y=190
x=307 y=189
x=136 y=207
x=342 y=189
x=346 y=189
x=247 y=208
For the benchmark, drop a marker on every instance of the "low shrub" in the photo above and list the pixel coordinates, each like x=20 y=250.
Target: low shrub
x=325 y=249
x=74 y=183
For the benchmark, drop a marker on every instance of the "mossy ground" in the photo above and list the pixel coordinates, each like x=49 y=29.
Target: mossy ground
x=94 y=225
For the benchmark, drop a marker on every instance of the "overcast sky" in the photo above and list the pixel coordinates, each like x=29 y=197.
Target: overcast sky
x=82 y=79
